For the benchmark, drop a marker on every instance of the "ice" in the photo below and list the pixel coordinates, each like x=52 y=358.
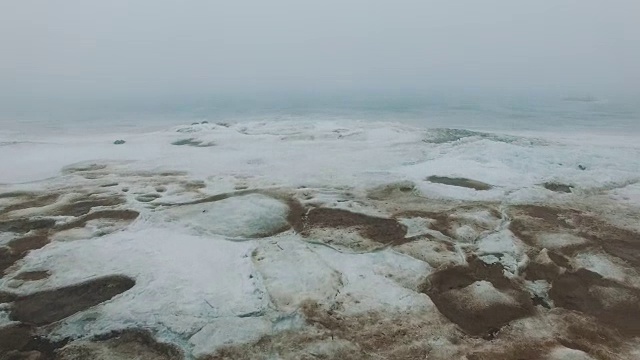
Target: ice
x=212 y=272
x=247 y=216
x=228 y=331
x=182 y=281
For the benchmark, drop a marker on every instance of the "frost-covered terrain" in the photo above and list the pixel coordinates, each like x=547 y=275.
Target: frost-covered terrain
x=320 y=240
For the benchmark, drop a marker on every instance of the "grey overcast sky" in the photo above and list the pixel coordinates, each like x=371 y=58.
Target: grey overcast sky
x=129 y=48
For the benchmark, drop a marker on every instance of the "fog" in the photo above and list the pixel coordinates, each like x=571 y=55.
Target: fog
x=149 y=50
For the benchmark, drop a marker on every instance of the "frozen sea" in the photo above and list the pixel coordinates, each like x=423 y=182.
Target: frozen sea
x=369 y=229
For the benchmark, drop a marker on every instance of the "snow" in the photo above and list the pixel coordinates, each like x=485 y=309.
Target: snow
x=509 y=248
x=228 y=331
x=182 y=281
x=215 y=273
x=245 y=216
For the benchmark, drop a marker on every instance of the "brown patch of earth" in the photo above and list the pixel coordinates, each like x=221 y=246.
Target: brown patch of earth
x=330 y=335
x=604 y=299
x=192 y=142
x=478 y=297
x=6 y=297
x=32 y=275
x=83 y=207
x=19 y=342
x=14 y=337
x=296 y=216
x=122 y=345
x=526 y=350
x=49 y=306
x=24 y=225
x=531 y=220
x=32 y=201
x=380 y=230
x=558 y=187
x=449 y=221
x=461 y=182
x=18 y=248
x=147 y=197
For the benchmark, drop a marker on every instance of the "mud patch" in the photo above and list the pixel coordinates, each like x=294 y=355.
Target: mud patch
x=558 y=187
x=18 y=248
x=32 y=275
x=461 y=182
x=606 y=300
x=192 y=142
x=478 y=298
x=20 y=342
x=463 y=223
x=122 y=345
x=30 y=201
x=49 y=306
x=330 y=335
x=381 y=231
x=24 y=225
x=147 y=197
x=83 y=207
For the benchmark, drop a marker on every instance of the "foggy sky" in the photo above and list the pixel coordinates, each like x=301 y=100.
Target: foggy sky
x=144 y=48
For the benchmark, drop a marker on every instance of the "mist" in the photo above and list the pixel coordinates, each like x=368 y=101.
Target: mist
x=73 y=52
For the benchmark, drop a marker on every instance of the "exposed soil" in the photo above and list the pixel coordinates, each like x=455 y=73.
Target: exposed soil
x=32 y=275
x=147 y=197
x=448 y=221
x=608 y=301
x=192 y=142
x=558 y=187
x=380 y=230
x=461 y=182
x=530 y=220
x=24 y=225
x=83 y=207
x=32 y=201
x=14 y=337
x=367 y=336
x=19 y=342
x=451 y=290
x=6 y=297
x=122 y=345
x=296 y=215
x=18 y=248
x=49 y=306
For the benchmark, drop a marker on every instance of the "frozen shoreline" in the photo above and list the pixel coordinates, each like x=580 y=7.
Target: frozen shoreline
x=281 y=232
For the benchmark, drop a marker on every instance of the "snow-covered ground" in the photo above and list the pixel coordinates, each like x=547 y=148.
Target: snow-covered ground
x=227 y=254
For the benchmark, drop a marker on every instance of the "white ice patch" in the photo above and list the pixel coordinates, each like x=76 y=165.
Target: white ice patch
x=564 y=353
x=293 y=273
x=416 y=226
x=558 y=240
x=599 y=263
x=182 y=281
x=245 y=216
x=378 y=281
x=502 y=247
x=228 y=331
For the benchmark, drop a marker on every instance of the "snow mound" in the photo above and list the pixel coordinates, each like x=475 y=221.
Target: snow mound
x=247 y=216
